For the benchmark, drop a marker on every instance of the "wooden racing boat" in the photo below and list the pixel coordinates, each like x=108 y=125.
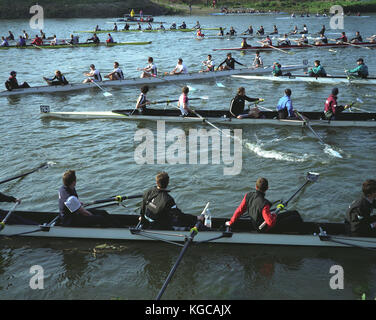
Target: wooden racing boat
x=148 y=81
x=217 y=116
x=329 y=45
x=312 y=234
x=304 y=78
x=79 y=45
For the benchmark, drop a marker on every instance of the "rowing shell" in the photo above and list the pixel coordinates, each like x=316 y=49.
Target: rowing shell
x=80 y=45
x=319 y=80
x=331 y=45
x=144 y=30
x=313 y=235
x=216 y=116
x=147 y=81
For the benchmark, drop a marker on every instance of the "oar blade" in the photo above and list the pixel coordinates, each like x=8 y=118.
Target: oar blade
x=107 y=94
x=312 y=176
x=220 y=85
x=191 y=88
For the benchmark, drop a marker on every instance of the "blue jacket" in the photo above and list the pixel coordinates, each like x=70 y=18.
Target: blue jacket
x=285 y=102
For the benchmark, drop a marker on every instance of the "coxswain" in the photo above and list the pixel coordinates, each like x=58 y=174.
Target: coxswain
x=295 y=31
x=231 y=32
x=257 y=61
x=359 y=217
x=126 y=26
x=72 y=212
x=4 y=42
x=209 y=64
x=142 y=101
x=159 y=210
x=275 y=30
x=183 y=103
x=116 y=74
x=316 y=71
x=58 y=79
x=94 y=75
x=285 y=41
x=332 y=110
x=74 y=39
x=305 y=30
x=150 y=70
x=37 y=41
x=220 y=33
x=115 y=27
x=97 y=28
x=21 y=42
x=258 y=209
x=149 y=27
x=229 y=63
x=322 y=40
x=183 y=26
x=303 y=40
x=342 y=39
x=237 y=105
x=261 y=31
x=197 y=26
x=284 y=108
x=10 y=36
x=266 y=42
x=360 y=71
x=322 y=31
x=94 y=39
x=358 y=38
x=173 y=26
x=54 y=41
x=277 y=69
x=109 y=39
x=244 y=44
x=25 y=35
x=12 y=82
x=249 y=30
x=199 y=34
x=180 y=68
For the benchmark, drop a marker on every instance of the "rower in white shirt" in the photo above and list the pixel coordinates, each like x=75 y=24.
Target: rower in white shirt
x=54 y=41
x=180 y=68
x=116 y=74
x=93 y=76
x=150 y=70
x=209 y=64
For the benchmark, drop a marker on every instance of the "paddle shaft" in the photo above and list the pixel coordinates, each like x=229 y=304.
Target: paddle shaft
x=101 y=88
x=306 y=121
x=8 y=215
x=352 y=44
x=269 y=45
x=25 y=174
x=117 y=198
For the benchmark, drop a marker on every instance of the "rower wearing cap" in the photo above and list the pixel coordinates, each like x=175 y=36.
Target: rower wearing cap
x=58 y=79
x=285 y=41
x=284 y=107
x=150 y=70
x=12 y=82
x=159 y=210
x=4 y=42
x=116 y=74
x=332 y=110
x=361 y=71
x=229 y=63
x=237 y=105
x=94 y=75
x=258 y=208
x=142 y=101
x=317 y=71
x=94 y=39
x=359 y=215
x=37 y=41
x=183 y=103
x=180 y=68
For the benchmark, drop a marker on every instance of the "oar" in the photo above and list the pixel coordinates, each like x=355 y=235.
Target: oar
x=353 y=44
x=311 y=45
x=330 y=149
x=188 y=241
x=42 y=166
x=2 y=223
x=311 y=177
x=105 y=93
x=288 y=52
x=115 y=198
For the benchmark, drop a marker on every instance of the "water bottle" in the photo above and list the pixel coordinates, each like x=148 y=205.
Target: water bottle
x=208 y=222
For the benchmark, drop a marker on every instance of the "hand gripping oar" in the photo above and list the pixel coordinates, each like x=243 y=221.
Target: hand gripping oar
x=2 y=223
x=42 y=166
x=311 y=177
x=113 y=199
x=188 y=241
x=105 y=93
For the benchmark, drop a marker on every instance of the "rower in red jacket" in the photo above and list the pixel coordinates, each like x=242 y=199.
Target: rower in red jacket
x=331 y=107
x=37 y=41
x=342 y=39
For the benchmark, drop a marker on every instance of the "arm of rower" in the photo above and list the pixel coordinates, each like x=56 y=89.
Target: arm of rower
x=238 y=62
x=251 y=99
x=270 y=218
x=239 y=211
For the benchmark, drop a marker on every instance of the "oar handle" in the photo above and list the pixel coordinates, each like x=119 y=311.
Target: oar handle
x=279 y=208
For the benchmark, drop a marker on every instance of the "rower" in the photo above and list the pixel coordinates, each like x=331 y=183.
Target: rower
x=257 y=61
x=139 y=26
x=94 y=39
x=180 y=68
x=150 y=70
x=142 y=101
x=342 y=39
x=249 y=30
x=303 y=40
x=25 y=35
x=220 y=33
x=12 y=82
x=173 y=26
x=261 y=31
x=285 y=41
x=74 y=39
x=116 y=74
x=358 y=38
x=183 y=26
x=305 y=30
x=275 y=30
x=361 y=71
x=231 y=32
x=94 y=75
x=21 y=42
x=97 y=28
x=237 y=105
x=295 y=31
x=115 y=27
x=267 y=42
x=359 y=216
x=11 y=36
x=317 y=71
x=209 y=64
x=229 y=63
x=161 y=27
x=42 y=35
x=149 y=27
x=37 y=41
x=109 y=39
x=284 y=107
x=58 y=79
x=54 y=41
x=200 y=34
x=197 y=26
x=126 y=26
x=244 y=44
x=322 y=31
x=258 y=208
x=331 y=108
x=322 y=40
x=71 y=209
x=159 y=210
x=4 y=42
x=183 y=103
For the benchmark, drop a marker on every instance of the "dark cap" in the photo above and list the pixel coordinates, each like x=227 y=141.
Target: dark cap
x=335 y=91
x=360 y=59
x=13 y=73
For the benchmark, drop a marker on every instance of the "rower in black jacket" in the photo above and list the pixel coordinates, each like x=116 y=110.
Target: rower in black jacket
x=238 y=103
x=229 y=63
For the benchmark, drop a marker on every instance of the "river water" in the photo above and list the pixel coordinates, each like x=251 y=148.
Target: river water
x=103 y=155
